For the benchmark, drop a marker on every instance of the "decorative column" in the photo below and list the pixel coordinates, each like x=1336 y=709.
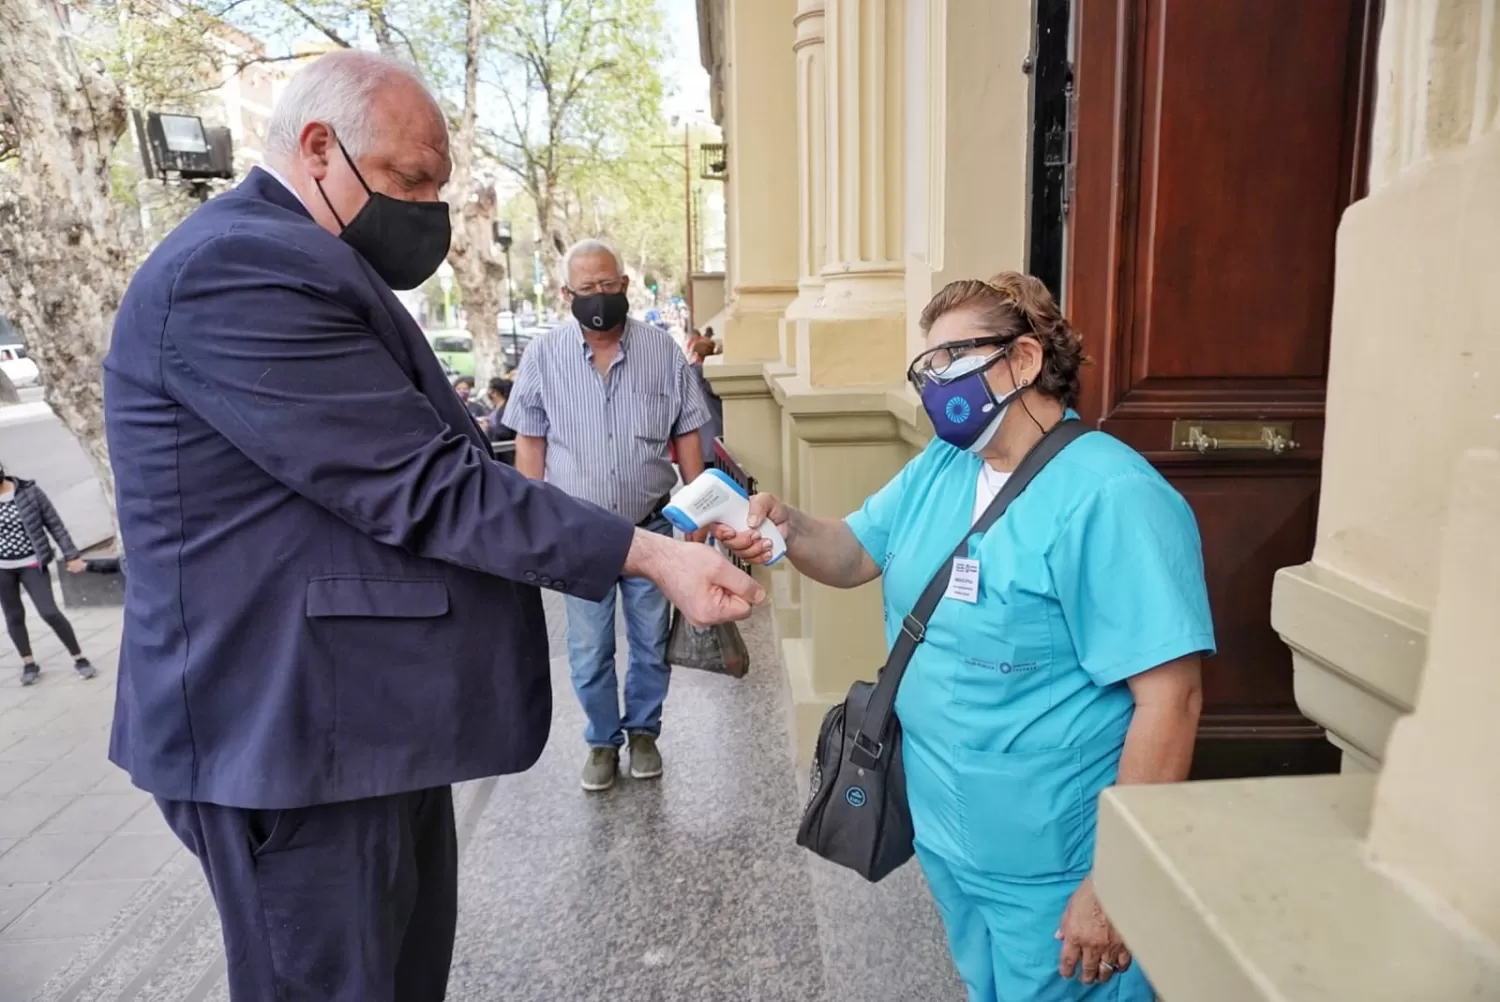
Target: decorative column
x=845 y=331
x=812 y=171
x=812 y=254
x=760 y=109
x=760 y=197
x=856 y=334
x=1357 y=615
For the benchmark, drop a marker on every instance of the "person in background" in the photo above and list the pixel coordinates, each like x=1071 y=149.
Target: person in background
x=700 y=347
x=27 y=519
x=464 y=387
x=1065 y=657
x=497 y=395
x=495 y=426
x=598 y=402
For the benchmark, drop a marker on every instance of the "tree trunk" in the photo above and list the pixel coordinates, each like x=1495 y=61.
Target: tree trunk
x=66 y=248
x=476 y=268
x=552 y=278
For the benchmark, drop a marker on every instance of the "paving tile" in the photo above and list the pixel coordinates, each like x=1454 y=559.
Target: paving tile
x=46 y=857
x=95 y=812
x=22 y=814
x=127 y=857
x=14 y=775
x=146 y=821
x=74 y=773
x=72 y=910
x=117 y=780
x=28 y=966
x=45 y=748
x=15 y=899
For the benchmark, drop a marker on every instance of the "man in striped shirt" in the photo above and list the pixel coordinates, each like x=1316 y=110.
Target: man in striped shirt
x=597 y=403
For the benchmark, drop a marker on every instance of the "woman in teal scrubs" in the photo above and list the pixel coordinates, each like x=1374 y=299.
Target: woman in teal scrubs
x=1064 y=658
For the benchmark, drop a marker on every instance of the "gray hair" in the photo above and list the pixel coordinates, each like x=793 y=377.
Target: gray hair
x=336 y=90
x=585 y=247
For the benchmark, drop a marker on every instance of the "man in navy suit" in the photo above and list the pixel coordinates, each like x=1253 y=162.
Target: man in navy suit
x=332 y=611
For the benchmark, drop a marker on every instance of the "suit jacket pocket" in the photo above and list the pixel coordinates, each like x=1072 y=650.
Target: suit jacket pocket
x=335 y=596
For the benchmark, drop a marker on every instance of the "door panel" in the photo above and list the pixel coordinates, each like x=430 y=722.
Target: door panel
x=1218 y=143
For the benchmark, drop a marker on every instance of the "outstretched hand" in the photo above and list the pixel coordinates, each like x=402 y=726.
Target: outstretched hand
x=748 y=544
x=705 y=587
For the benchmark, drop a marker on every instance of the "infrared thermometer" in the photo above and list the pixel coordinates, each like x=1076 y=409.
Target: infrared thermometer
x=714 y=497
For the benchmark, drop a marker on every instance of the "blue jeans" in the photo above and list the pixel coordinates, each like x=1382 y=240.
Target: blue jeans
x=591 y=655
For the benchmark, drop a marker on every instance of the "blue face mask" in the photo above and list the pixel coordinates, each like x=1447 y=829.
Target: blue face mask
x=962 y=407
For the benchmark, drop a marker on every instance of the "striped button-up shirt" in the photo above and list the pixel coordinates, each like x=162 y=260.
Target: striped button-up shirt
x=608 y=437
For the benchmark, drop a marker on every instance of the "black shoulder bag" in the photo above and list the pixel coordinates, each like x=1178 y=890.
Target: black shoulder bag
x=858 y=815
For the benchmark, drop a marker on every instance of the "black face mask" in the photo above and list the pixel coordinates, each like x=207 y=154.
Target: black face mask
x=603 y=311
x=403 y=241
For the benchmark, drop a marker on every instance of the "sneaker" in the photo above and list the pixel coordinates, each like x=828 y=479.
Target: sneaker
x=600 y=769
x=84 y=669
x=30 y=673
x=645 y=760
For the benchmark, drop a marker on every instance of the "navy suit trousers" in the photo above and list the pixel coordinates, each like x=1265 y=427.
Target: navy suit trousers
x=346 y=902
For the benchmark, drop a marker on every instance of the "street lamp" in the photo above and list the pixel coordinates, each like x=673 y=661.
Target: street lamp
x=504 y=239
x=182 y=145
x=445 y=282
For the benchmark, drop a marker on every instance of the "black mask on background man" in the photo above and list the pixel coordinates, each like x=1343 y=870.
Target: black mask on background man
x=403 y=241
x=603 y=311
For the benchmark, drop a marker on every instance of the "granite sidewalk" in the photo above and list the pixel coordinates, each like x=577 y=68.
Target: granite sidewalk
x=687 y=889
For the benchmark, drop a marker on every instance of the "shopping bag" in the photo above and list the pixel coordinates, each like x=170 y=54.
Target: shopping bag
x=718 y=649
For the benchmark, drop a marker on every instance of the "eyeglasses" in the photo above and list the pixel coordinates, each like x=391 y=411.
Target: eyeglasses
x=608 y=287
x=948 y=362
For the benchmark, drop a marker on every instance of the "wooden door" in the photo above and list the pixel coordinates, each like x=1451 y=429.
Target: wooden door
x=1217 y=144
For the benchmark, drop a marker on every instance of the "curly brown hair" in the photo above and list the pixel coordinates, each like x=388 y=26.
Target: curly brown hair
x=1010 y=305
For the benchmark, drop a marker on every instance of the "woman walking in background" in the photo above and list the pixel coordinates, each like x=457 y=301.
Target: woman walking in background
x=27 y=519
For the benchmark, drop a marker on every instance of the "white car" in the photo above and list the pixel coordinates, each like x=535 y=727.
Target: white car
x=21 y=370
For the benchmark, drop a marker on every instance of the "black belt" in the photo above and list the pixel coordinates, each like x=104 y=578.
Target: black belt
x=656 y=512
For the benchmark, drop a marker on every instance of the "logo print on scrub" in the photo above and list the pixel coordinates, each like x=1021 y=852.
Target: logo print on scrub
x=855 y=796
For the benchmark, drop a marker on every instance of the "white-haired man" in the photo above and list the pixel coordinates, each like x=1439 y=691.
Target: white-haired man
x=333 y=609
x=596 y=405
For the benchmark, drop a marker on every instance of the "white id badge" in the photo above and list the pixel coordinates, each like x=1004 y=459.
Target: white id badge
x=963 y=584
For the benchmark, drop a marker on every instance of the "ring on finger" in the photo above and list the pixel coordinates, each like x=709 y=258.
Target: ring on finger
x=1105 y=965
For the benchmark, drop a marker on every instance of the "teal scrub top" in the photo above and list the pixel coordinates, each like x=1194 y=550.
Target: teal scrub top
x=1014 y=709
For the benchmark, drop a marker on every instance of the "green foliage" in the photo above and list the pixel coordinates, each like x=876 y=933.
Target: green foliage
x=570 y=101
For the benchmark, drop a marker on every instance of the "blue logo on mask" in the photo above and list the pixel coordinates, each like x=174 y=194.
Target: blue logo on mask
x=855 y=796
x=957 y=410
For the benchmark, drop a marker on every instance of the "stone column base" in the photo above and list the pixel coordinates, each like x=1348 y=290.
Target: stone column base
x=1356 y=656
x=848 y=443
x=752 y=322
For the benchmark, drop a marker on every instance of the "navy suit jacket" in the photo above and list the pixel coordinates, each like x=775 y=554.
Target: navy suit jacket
x=333 y=586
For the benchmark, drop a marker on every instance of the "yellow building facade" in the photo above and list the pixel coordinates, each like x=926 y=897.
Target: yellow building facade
x=877 y=149
x=874 y=155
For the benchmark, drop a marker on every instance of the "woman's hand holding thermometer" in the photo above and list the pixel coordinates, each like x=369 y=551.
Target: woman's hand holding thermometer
x=714 y=499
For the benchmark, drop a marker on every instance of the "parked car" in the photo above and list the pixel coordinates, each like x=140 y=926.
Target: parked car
x=455 y=349
x=21 y=370
x=514 y=349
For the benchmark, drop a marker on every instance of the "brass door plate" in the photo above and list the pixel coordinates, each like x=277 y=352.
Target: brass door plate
x=1233 y=436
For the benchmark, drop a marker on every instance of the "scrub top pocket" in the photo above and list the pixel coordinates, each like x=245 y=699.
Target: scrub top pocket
x=1004 y=659
x=1021 y=815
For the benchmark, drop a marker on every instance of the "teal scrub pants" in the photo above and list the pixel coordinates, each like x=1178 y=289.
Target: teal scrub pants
x=1003 y=938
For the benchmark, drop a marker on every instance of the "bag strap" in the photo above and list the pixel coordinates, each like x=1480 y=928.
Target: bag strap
x=868 y=742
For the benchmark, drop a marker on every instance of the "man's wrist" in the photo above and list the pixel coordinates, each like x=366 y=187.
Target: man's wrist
x=644 y=557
